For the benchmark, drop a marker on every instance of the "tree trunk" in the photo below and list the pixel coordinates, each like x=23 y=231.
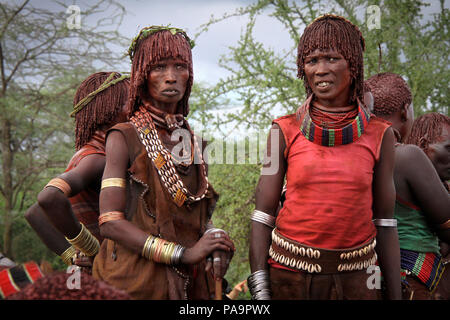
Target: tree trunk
x=7 y=158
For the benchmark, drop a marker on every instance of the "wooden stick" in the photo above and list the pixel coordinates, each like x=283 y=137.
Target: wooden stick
x=218 y=289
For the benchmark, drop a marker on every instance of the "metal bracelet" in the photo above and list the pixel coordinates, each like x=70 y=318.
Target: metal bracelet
x=259 y=285
x=176 y=256
x=445 y=225
x=215 y=230
x=113 y=182
x=385 y=222
x=264 y=218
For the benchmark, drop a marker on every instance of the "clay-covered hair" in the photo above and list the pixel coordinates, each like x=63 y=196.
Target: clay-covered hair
x=152 y=45
x=331 y=32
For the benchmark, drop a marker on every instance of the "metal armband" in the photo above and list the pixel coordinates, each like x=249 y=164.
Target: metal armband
x=61 y=185
x=85 y=242
x=392 y=223
x=264 y=218
x=259 y=285
x=110 y=216
x=114 y=182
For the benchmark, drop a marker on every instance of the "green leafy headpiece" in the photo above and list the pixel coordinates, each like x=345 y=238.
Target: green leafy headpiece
x=145 y=32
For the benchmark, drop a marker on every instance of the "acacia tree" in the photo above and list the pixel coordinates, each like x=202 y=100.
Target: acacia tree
x=265 y=81
x=43 y=58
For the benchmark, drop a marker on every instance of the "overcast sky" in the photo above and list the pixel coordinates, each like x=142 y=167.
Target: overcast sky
x=190 y=15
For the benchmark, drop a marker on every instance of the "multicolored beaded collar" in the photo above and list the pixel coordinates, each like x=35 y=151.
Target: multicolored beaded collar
x=333 y=137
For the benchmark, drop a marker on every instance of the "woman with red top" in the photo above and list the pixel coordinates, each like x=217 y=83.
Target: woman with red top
x=338 y=160
x=71 y=200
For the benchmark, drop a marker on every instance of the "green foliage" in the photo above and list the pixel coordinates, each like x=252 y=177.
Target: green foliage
x=236 y=187
x=234 y=176
x=264 y=81
x=42 y=62
x=415 y=47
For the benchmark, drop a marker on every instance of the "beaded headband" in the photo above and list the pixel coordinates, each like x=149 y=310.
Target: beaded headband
x=108 y=83
x=145 y=32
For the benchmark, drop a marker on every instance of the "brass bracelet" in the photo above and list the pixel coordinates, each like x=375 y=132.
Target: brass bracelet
x=162 y=251
x=68 y=255
x=85 y=242
x=61 y=185
x=110 y=216
x=114 y=182
x=147 y=247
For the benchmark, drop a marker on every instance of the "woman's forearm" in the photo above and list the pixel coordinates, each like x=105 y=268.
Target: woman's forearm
x=388 y=252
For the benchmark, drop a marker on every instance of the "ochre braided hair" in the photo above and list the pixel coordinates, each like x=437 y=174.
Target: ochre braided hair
x=148 y=51
x=428 y=126
x=331 y=32
x=102 y=109
x=390 y=93
x=54 y=287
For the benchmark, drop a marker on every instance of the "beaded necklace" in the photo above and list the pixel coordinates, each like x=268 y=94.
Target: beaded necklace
x=331 y=120
x=171 y=122
x=163 y=162
x=333 y=137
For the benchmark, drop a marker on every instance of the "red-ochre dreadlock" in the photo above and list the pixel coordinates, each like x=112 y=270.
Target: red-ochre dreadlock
x=54 y=287
x=102 y=109
x=331 y=32
x=149 y=51
x=390 y=93
x=428 y=126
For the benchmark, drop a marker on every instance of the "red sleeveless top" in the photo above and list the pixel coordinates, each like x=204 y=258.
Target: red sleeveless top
x=329 y=189
x=85 y=204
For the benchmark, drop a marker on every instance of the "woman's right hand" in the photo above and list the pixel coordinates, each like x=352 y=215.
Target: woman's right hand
x=205 y=246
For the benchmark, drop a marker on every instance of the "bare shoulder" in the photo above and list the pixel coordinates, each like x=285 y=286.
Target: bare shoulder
x=116 y=145
x=117 y=155
x=410 y=153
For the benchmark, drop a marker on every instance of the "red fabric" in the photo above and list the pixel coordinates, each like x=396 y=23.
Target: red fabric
x=329 y=189
x=7 y=285
x=85 y=204
x=33 y=271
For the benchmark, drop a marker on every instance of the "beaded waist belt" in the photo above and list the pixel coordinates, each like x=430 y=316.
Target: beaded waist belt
x=427 y=267
x=304 y=258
